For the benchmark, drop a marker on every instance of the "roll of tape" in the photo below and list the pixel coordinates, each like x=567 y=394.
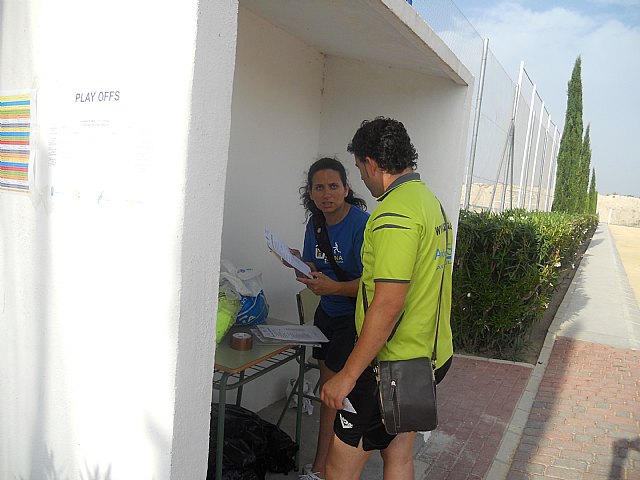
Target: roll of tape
x=241 y=341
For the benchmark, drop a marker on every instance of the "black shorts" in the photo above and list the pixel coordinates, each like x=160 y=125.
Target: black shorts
x=341 y=332
x=366 y=423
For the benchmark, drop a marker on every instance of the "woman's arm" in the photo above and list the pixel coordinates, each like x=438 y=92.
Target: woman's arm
x=321 y=284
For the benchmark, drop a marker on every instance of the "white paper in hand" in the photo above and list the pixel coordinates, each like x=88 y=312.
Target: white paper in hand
x=281 y=250
x=347 y=406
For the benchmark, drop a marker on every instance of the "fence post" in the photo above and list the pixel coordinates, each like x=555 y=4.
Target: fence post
x=507 y=144
x=527 y=162
x=544 y=154
x=525 y=153
x=535 y=155
x=476 y=124
x=511 y=135
x=552 y=169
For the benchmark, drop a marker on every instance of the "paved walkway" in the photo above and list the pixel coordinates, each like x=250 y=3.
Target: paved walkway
x=574 y=415
x=584 y=420
x=476 y=402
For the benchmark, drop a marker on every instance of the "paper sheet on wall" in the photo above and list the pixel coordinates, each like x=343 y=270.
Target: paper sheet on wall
x=100 y=149
x=16 y=149
x=281 y=250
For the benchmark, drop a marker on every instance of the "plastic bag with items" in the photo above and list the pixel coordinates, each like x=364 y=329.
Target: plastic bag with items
x=227 y=312
x=307 y=389
x=252 y=446
x=244 y=284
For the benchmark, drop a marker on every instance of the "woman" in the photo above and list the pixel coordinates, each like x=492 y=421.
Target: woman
x=335 y=228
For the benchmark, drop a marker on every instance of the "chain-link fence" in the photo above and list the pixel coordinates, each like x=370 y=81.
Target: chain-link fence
x=513 y=142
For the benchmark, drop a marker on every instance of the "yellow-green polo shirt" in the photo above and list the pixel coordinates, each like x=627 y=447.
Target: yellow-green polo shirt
x=405 y=240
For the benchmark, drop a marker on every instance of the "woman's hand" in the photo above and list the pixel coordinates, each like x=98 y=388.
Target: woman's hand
x=296 y=253
x=320 y=284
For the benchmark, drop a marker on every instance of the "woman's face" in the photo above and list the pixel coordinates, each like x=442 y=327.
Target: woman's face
x=327 y=191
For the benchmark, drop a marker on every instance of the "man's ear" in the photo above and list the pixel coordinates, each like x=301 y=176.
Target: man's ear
x=371 y=164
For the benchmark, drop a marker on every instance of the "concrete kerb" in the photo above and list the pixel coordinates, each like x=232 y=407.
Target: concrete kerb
x=492 y=360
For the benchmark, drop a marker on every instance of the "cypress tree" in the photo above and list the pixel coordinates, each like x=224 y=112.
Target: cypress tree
x=593 y=194
x=582 y=196
x=570 y=151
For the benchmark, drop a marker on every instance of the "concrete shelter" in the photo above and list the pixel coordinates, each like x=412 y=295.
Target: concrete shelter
x=163 y=138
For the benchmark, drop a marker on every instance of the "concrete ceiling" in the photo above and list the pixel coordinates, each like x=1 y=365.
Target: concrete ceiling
x=385 y=32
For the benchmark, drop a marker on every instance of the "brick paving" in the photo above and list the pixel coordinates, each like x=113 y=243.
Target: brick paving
x=585 y=419
x=475 y=403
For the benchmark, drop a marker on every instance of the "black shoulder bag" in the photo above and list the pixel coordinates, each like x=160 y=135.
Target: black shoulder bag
x=407 y=388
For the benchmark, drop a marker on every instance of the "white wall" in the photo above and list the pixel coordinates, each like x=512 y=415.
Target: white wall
x=434 y=111
x=275 y=123
x=107 y=287
x=109 y=268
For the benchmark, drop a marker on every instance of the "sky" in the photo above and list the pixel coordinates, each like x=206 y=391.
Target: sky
x=548 y=36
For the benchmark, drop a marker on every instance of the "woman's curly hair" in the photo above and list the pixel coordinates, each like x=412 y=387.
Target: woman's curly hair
x=327 y=163
x=386 y=141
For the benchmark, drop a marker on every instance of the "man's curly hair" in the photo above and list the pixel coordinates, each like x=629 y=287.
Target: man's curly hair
x=386 y=141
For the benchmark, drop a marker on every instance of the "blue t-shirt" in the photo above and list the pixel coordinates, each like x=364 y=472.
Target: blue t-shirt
x=346 y=238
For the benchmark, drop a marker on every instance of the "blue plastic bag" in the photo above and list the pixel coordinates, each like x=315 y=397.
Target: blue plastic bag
x=245 y=284
x=253 y=310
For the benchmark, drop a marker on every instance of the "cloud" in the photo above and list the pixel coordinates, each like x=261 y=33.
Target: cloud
x=549 y=41
x=611 y=67
x=616 y=3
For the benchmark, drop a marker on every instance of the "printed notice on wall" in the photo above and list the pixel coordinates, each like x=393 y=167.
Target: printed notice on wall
x=16 y=152
x=96 y=151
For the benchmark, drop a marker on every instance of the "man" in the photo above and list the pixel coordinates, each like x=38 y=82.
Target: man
x=404 y=255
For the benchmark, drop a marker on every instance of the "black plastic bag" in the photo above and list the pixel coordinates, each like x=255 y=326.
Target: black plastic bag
x=281 y=450
x=252 y=446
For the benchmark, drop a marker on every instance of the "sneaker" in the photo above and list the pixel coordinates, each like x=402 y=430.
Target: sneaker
x=308 y=474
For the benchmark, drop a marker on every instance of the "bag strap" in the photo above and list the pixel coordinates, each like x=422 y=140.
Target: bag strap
x=322 y=239
x=435 y=342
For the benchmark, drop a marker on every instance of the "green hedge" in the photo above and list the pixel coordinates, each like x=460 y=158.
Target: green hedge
x=504 y=272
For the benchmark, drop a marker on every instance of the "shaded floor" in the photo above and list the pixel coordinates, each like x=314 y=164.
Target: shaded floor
x=476 y=400
x=475 y=404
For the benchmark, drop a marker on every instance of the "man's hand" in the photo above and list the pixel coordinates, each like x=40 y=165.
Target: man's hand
x=320 y=284
x=336 y=389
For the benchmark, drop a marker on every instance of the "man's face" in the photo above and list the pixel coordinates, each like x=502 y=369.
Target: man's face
x=367 y=176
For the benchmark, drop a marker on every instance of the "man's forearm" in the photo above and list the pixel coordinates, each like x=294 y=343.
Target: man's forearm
x=378 y=324
x=384 y=311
